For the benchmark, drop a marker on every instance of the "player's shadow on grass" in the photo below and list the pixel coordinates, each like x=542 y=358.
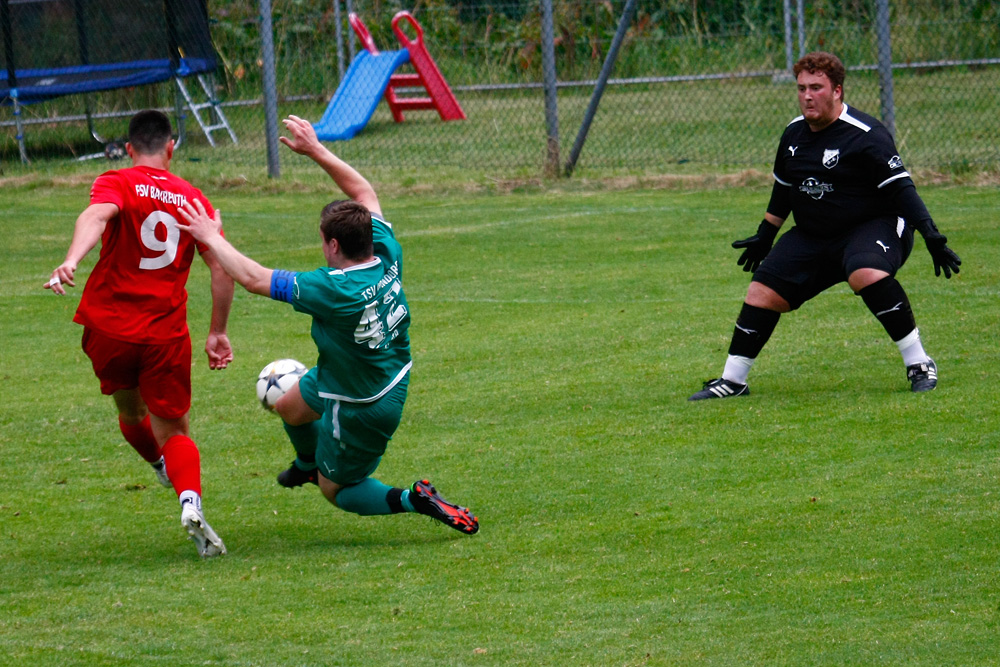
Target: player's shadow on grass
x=326 y=535
x=153 y=544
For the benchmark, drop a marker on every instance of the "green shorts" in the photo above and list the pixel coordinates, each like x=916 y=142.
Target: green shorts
x=352 y=436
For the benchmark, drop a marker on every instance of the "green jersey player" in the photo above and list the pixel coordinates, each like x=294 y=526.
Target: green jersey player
x=342 y=413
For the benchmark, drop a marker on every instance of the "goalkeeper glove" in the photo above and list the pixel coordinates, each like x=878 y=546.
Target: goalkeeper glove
x=757 y=246
x=945 y=259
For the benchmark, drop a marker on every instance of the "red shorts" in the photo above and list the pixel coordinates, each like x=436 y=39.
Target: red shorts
x=162 y=372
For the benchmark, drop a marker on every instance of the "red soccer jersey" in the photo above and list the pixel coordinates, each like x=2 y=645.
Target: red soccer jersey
x=136 y=290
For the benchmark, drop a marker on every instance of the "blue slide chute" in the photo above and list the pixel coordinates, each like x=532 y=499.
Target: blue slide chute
x=358 y=94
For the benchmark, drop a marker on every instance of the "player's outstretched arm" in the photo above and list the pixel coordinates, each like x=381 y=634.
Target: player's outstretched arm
x=90 y=225
x=303 y=141
x=248 y=273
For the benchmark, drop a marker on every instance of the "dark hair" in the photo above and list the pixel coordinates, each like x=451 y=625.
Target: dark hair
x=149 y=132
x=351 y=224
x=824 y=63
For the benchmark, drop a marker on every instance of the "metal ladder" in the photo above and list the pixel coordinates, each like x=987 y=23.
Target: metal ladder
x=207 y=125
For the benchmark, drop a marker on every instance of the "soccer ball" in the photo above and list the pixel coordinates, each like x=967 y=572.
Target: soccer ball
x=276 y=378
x=114 y=151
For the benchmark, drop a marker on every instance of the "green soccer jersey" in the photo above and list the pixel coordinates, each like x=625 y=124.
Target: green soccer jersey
x=360 y=320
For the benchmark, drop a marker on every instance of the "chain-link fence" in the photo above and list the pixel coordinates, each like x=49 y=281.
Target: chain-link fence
x=696 y=85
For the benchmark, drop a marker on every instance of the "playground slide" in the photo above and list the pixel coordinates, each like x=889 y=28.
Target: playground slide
x=358 y=94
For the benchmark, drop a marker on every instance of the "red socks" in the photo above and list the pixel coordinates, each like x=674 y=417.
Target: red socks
x=183 y=464
x=179 y=453
x=140 y=436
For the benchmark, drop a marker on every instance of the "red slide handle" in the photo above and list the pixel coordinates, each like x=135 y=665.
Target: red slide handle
x=362 y=32
x=402 y=36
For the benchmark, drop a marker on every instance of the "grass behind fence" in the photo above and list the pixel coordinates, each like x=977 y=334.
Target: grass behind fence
x=942 y=122
x=830 y=518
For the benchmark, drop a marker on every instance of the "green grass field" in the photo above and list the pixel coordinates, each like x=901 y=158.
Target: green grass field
x=831 y=518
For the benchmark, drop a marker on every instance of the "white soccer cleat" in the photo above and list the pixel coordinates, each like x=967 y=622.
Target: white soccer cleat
x=209 y=544
x=160 y=467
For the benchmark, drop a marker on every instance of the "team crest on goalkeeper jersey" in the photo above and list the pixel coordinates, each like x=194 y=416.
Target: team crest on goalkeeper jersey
x=814 y=188
x=831 y=156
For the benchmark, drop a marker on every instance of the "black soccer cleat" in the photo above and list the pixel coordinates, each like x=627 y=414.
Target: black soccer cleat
x=720 y=388
x=923 y=376
x=296 y=476
x=427 y=501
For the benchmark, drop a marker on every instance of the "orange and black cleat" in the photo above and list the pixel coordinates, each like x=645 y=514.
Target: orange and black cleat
x=427 y=501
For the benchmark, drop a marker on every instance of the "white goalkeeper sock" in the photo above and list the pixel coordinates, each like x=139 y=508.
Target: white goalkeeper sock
x=912 y=349
x=737 y=369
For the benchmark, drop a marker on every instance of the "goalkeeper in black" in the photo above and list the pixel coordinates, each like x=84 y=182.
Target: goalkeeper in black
x=855 y=206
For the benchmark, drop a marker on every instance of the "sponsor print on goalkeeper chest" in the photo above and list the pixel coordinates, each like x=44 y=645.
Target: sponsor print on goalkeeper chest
x=277 y=378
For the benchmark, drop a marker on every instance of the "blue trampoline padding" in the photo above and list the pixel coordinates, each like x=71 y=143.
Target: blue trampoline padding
x=39 y=85
x=358 y=94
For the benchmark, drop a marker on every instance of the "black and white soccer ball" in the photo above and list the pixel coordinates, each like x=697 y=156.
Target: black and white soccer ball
x=114 y=151
x=276 y=379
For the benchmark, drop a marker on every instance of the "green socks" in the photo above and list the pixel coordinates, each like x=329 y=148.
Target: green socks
x=372 y=497
x=304 y=438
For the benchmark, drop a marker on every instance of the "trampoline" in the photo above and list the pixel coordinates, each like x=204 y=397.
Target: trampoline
x=54 y=48
x=40 y=85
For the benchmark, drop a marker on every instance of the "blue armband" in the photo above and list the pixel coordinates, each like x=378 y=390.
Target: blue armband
x=282 y=285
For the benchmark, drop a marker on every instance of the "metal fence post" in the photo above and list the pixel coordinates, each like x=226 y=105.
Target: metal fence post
x=270 y=89
x=602 y=80
x=800 y=19
x=882 y=27
x=351 y=46
x=786 y=10
x=339 y=31
x=8 y=48
x=551 y=104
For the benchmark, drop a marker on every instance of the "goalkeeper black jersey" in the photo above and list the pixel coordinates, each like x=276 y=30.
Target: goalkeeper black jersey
x=839 y=177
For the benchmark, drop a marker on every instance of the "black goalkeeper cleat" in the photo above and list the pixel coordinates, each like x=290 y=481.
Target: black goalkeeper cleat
x=296 y=476
x=923 y=376
x=427 y=501
x=720 y=388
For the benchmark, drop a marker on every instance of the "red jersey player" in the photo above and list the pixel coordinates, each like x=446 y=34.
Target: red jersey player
x=134 y=310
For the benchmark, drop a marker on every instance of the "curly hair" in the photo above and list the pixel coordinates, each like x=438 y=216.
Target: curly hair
x=823 y=63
